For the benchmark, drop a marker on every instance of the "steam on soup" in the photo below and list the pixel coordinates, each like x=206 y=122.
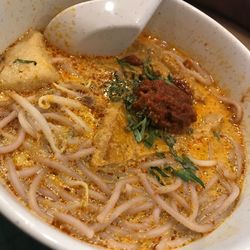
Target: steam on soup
x=142 y=151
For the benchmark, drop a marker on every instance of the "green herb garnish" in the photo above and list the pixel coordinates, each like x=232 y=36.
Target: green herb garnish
x=185 y=174
x=18 y=60
x=148 y=70
x=160 y=155
x=151 y=136
x=138 y=129
x=155 y=174
x=188 y=171
x=117 y=88
x=160 y=171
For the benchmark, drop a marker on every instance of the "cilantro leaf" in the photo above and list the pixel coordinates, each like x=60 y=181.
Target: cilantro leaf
x=189 y=168
x=186 y=162
x=185 y=174
x=188 y=175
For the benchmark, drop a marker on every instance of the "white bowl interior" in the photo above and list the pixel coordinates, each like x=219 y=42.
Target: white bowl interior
x=188 y=29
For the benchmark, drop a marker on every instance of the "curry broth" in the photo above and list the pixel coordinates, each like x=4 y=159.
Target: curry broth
x=123 y=155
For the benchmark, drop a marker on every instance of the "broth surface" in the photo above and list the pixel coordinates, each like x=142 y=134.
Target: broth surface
x=90 y=176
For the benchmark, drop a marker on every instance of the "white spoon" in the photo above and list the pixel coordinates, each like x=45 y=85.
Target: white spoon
x=100 y=27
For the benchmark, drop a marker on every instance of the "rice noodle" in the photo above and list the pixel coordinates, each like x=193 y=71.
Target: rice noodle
x=226 y=172
x=118 y=211
x=81 y=227
x=114 y=198
x=153 y=233
x=195 y=202
x=94 y=178
x=186 y=189
x=174 y=205
x=28 y=172
x=6 y=120
x=209 y=185
x=48 y=194
x=137 y=226
x=213 y=206
x=93 y=208
x=176 y=215
x=76 y=205
x=32 y=199
x=225 y=184
x=9 y=136
x=38 y=117
x=36 y=126
x=83 y=184
x=119 y=245
x=18 y=142
x=128 y=189
x=203 y=163
x=67 y=91
x=154 y=181
x=14 y=180
x=45 y=101
x=238 y=115
x=59 y=118
x=156 y=215
x=168 y=243
x=141 y=208
x=235 y=191
x=79 y=154
x=97 y=196
x=238 y=153
x=59 y=167
x=25 y=124
x=179 y=200
x=154 y=163
x=169 y=188
x=77 y=119
x=64 y=194
x=118 y=231
x=198 y=73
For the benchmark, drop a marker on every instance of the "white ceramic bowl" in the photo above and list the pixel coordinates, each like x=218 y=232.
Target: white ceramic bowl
x=188 y=29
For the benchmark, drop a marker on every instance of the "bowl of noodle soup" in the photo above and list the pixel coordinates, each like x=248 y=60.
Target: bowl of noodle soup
x=146 y=150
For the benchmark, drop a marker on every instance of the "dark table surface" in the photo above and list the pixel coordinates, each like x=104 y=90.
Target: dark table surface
x=11 y=238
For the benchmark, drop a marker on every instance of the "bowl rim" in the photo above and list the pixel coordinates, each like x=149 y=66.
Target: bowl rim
x=24 y=219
